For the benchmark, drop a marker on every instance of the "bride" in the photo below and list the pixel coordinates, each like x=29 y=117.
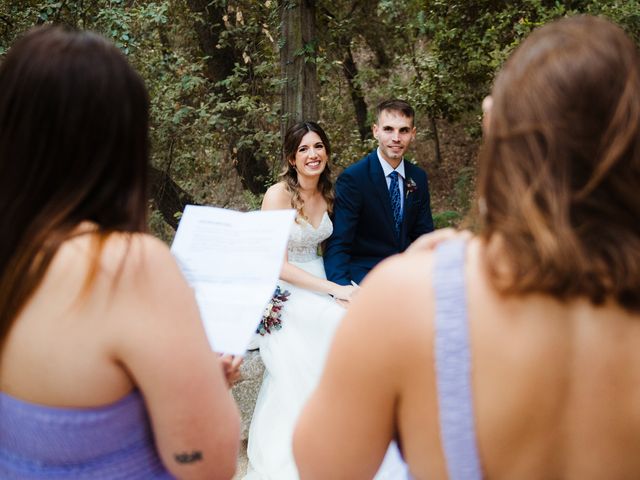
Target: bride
x=294 y=355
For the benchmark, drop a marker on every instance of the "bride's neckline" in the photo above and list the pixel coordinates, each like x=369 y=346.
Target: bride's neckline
x=325 y=214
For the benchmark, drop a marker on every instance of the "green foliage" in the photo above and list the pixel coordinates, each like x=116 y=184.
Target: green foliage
x=254 y=202
x=159 y=228
x=447 y=218
x=441 y=55
x=462 y=187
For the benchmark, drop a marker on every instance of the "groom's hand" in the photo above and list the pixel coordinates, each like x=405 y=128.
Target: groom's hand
x=344 y=294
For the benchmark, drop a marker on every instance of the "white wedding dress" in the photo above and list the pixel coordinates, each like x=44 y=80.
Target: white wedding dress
x=294 y=357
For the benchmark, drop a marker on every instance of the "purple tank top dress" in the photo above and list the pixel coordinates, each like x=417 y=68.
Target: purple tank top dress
x=453 y=363
x=111 y=442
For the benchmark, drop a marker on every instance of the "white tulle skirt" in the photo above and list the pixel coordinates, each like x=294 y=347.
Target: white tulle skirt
x=294 y=358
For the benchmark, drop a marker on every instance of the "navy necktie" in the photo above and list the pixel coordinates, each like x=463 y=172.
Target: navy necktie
x=394 y=194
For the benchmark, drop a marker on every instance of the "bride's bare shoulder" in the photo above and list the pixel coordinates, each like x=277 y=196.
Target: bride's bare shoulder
x=277 y=197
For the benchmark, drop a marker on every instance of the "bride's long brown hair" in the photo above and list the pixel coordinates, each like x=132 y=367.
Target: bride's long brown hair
x=292 y=140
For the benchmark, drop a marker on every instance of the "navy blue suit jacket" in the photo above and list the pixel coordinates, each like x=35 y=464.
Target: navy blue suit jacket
x=363 y=231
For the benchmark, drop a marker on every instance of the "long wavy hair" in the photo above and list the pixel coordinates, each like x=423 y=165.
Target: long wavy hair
x=292 y=140
x=559 y=172
x=73 y=148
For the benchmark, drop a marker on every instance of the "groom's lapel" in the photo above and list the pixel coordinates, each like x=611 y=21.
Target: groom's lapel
x=407 y=195
x=409 y=206
x=380 y=187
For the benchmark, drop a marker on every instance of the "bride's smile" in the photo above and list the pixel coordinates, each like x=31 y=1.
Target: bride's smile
x=311 y=156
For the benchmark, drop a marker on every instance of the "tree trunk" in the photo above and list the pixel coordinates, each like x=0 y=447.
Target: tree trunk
x=167 y=196
x=209 y=25
x=350 y=70
x=436 y=139
x=298 y=62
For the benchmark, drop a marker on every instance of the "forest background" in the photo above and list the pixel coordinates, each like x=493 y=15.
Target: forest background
x=226 y=77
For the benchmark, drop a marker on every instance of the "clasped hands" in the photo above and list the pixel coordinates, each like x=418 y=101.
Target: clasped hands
x=344 y=294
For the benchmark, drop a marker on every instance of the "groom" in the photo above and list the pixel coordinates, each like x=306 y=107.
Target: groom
x=382 y=201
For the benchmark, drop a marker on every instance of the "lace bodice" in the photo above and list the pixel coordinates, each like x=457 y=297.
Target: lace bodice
x=304 y=239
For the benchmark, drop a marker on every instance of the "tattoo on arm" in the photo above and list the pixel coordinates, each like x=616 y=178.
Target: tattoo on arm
x=186 y=457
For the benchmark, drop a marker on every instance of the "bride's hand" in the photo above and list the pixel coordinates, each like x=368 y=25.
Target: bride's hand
x=343 y=303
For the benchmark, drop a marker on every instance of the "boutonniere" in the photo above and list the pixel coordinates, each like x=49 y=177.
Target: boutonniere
x=410 y=187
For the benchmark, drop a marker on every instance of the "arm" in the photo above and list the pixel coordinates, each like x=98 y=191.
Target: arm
x=277 y=198
x=161 y=343
x=365 y=391
x=346 y=212
x=298 y=277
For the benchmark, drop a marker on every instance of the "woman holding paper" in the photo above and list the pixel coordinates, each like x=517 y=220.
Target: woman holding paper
x=294 y=354
x=105 y=369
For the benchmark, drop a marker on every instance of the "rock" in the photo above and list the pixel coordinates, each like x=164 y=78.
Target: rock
x=246 y=390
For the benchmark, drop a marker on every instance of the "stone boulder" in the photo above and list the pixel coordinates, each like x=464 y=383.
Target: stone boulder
x=246 y=390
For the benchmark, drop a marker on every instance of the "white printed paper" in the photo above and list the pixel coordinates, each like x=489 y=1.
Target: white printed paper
x=232 y=260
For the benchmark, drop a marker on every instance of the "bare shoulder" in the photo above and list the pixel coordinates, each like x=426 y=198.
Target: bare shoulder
x=121 y=266
x=130 y=255
x=117 y=254
x=404 y=281
x=277 y=197
x=394 y=308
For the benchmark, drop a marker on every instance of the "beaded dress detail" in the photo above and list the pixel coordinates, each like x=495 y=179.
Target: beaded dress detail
x=304 y=239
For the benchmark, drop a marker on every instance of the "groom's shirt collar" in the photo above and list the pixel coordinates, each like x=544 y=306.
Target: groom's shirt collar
x=386 y=168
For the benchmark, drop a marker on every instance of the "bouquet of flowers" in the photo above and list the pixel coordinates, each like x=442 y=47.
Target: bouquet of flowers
x=271 y=317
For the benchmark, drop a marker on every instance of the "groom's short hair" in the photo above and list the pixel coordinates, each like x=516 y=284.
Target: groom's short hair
x=395 y=105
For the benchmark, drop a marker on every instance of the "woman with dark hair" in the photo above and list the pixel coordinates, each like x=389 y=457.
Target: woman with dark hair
x=105 y=369
x=294 y=355
x=514 y=353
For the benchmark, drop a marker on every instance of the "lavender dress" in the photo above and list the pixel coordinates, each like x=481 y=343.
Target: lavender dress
x=110 y=442
x=453 y=363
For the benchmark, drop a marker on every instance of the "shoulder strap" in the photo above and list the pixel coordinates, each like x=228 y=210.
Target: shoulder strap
x=453 y=363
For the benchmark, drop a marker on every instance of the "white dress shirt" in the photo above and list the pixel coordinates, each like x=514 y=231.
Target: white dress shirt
x=387 y=169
